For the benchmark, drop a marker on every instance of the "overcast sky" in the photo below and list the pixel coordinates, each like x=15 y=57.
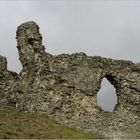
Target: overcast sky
x=97 y=27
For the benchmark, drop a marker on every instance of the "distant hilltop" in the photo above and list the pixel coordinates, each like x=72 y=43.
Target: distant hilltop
x=65 y=87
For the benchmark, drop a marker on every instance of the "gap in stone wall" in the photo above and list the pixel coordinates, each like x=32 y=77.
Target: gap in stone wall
x=106 y=97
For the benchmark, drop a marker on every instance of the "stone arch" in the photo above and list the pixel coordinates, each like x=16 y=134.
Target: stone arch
x=114 y=81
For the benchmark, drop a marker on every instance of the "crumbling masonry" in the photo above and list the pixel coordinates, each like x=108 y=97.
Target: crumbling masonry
x=65 y=87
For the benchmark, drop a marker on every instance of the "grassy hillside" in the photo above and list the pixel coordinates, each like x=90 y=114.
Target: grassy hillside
x=15 y=124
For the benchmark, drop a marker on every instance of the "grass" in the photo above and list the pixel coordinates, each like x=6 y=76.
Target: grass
x=19 y=125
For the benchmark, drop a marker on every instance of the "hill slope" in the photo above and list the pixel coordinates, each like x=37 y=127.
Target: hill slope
x=15 y=124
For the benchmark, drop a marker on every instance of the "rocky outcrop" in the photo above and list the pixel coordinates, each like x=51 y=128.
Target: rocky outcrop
x=65 y=87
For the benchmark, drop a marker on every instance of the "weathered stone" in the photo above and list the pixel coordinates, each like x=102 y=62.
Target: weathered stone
x=7 y=80
x=66 y=86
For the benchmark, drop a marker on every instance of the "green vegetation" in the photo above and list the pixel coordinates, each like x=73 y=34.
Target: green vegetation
x=15 y=124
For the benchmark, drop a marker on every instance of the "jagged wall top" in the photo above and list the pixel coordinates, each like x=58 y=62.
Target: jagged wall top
x=30 y=30
x=3 y=63
x=29 y=42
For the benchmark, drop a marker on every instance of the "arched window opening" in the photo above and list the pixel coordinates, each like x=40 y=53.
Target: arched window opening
x=106 y=97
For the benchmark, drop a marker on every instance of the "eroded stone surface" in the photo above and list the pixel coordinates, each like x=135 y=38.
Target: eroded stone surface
x=65 y=87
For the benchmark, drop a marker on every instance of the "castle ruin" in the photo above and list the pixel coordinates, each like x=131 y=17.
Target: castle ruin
x=65 y=87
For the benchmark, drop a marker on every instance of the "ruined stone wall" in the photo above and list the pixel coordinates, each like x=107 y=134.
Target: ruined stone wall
x=65 y=87
x=7 y=79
